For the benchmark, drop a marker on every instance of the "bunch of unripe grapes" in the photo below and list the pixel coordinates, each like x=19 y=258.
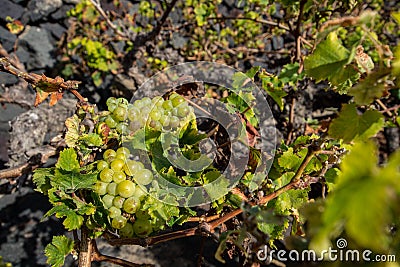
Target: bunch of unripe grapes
x=118 y=186
x=158 y=113
x=4 y=264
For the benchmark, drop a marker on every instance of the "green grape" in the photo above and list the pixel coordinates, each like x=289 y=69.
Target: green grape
x=142 y=228
x=158 y=101
x=167 y=105
x=111 y=122
x=121 y=157
x=142 y=215
x=112 y=189
x=118 y=202
x=123 y=151
x=107 y=200
x=131 y=204
x=132 y=166
x=122 y=128
x=100 y=188
x=176 y=101
x=164 y=120
x=118 y=222
x=156 y=125
x=106 y=175
x=183 y=110
x=143 y=177
x=120 y=114
x=126 y=231
x=133 y=113
x=109 y=155
x=117 y=164
x=155 y=114
x=101 y=165
x=174 y=122
x=140 y=193
x=125 y=188
x=146 y=101
x=122 y=102
x=114 y=212
x=119 y=176
x=111 y=103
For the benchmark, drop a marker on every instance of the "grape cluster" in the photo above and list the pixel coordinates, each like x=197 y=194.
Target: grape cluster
x=4 y=264
x=118 y=186
x=158 y=113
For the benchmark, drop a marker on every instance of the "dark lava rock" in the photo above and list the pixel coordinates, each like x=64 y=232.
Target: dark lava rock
x=7 y=79
x=37 y=42
x=39 y=9
x=7 y=39
x=55 y=29
x=62 y=12
x=178 y=41
x=31 y=129
x=10 y=9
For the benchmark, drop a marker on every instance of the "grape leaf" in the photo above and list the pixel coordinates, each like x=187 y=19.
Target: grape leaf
x=91 y=139
x=329 y=61
x=362 y=184
x=369 y=89
x=68 y=160
x=72 y=221
x=351 y=126
x=41 y=178
x=73 y=180
x=58 y=249
x=72 y=134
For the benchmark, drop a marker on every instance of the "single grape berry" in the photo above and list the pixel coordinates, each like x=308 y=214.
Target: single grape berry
x=142 y=228
x=106 y=175
x=118 y=202
x=131 y=204
x=111 y=122
x=143 y=177
x=100 y=188
x=120 y=114
x=101 y=165
x=117 y=164
x=125 y=188
x=112 y=189
x=118 y=222
x=114 y=212
x=126 y=231
x=109 y=155
x=119 y=176
x=107 y=200
x=111 y=103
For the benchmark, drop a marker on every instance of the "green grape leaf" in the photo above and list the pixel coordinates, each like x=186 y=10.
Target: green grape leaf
x=239 y=78
x=351 y=126
x=277 y=96
x=72 y=134
x=41 y=178
x=289 y=74
x=85 y=208
x=217 y=188
x=57 y=250
x=68 y=160
x=290 y=160
x=369 y=89
x=362 y=184
x=72 y=221
x=329 y=61
x=91 y=139
x=73 y=180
